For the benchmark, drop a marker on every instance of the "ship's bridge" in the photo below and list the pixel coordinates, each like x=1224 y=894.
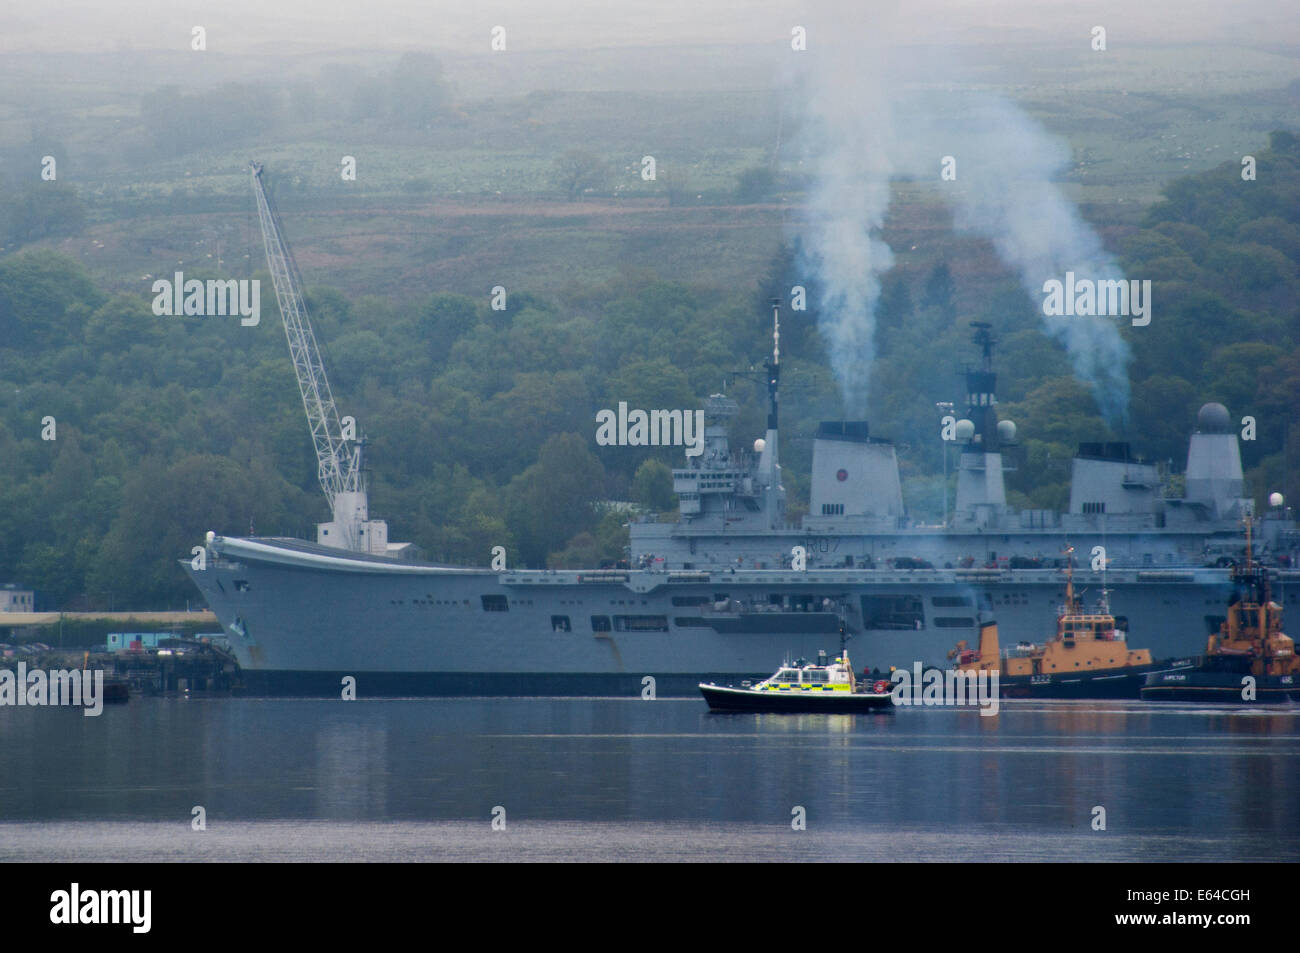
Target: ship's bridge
x=720 y=481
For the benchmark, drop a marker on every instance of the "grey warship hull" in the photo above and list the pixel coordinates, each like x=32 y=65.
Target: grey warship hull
x=302 y=617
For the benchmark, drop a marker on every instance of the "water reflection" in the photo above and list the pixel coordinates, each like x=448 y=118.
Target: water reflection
x=1036 y=770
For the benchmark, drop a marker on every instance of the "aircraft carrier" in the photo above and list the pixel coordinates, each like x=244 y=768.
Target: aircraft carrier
x=731 y=587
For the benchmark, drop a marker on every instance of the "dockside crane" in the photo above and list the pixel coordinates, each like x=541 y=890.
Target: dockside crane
x=338 y=454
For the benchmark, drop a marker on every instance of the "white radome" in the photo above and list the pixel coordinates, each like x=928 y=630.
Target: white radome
x=965 y=429
x=1006 y=431
x=1276 y=499
x=760 y=445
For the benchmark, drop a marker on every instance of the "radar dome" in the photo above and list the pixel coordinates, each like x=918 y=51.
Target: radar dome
x=1213 y=418
x=965 y=430
x=760 y=445
x=1006 y=431
x=1275 y=499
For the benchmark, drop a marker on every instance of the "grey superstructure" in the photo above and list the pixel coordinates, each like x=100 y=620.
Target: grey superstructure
x=732 y=587
x=732 y=503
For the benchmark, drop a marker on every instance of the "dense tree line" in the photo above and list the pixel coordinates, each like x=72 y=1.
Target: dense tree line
x=481 y=422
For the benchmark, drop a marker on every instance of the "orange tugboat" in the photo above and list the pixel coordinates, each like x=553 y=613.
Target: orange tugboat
x=1248 y=661
x=1089 y=656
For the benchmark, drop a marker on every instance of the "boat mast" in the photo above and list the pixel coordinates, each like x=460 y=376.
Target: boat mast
x=1105 y=593
x=1246 y=520
x=1069 y=579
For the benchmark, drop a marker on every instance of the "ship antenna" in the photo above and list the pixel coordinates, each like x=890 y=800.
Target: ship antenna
x=1259 y=580
x=985 y=340
x=769 y=470
x=774 y=368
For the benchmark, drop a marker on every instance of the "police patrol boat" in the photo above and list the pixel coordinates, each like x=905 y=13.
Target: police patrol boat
x=826 y=687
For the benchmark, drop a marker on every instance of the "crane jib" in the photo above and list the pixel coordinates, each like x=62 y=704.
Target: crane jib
x=339 y=464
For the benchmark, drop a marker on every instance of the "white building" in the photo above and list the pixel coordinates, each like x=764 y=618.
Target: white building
x=13 y=599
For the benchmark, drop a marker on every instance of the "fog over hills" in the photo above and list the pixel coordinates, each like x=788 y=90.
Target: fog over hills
x=295 y=26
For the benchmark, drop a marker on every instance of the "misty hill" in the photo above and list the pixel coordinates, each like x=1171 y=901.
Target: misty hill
x=481 y=422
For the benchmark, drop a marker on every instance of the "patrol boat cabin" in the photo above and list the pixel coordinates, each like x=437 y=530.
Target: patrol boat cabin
x=803 y=677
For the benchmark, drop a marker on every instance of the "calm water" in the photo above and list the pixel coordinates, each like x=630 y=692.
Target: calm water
x=418 y=779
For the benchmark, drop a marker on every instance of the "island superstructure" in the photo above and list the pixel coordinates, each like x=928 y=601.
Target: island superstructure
x=733 y=507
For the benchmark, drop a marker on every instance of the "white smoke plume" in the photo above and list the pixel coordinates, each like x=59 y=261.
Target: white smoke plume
x=865 y=125
x=850 y=150
x=1008 y=193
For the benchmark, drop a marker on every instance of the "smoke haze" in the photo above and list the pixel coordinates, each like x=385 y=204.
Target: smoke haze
x=851 y=152
x=863 y=128
x=1006 y=166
